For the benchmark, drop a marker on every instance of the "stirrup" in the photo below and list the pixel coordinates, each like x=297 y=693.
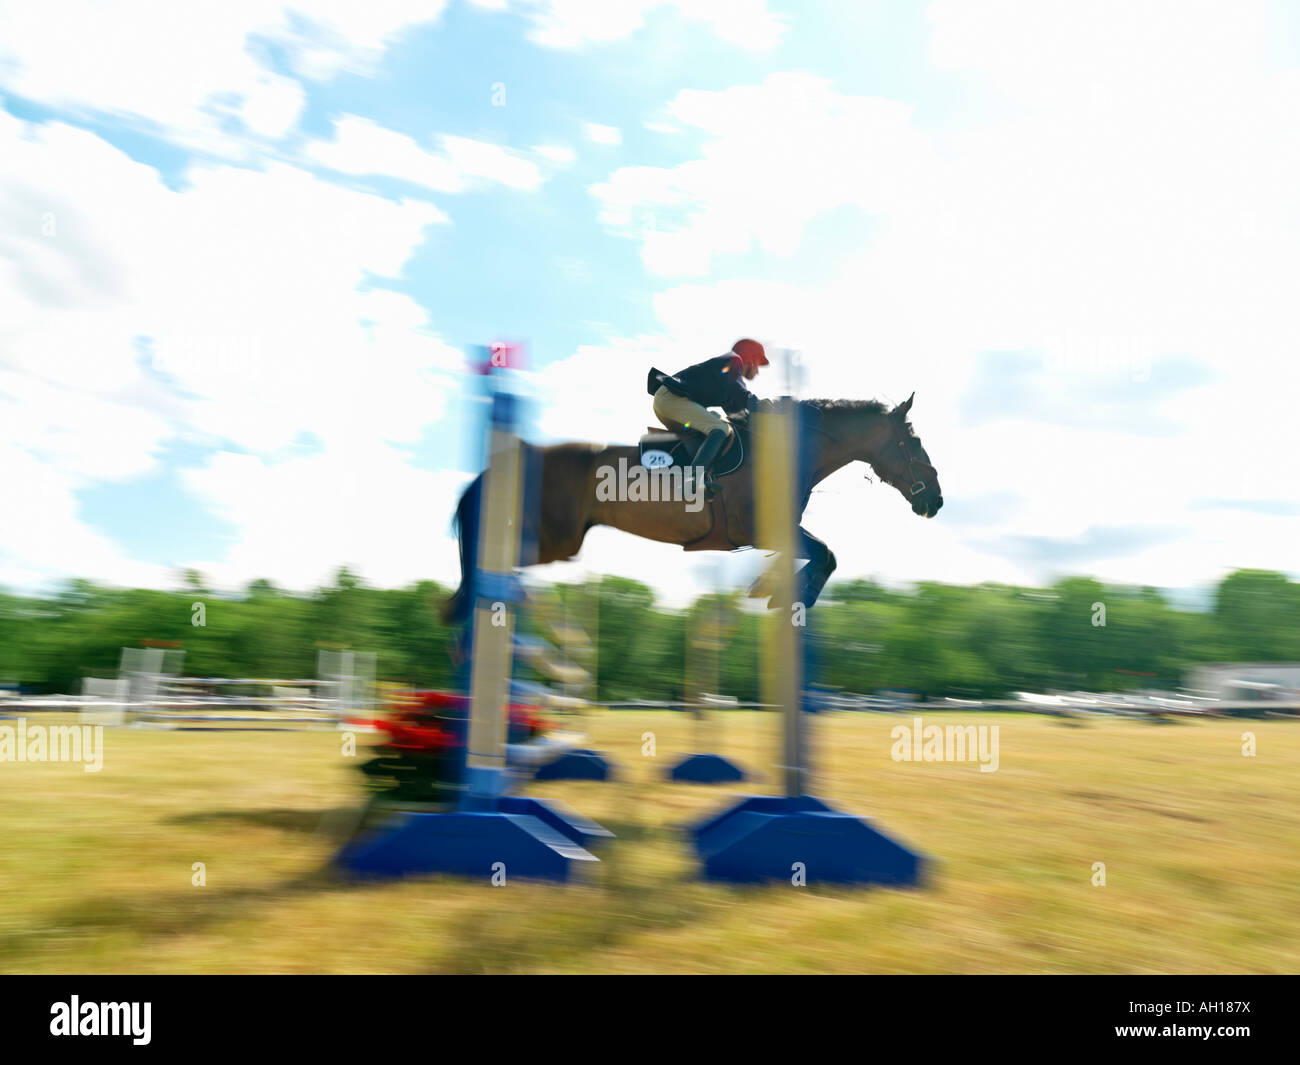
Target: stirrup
x=710 y=485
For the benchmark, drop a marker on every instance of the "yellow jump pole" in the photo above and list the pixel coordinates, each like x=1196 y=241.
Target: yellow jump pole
x=782 y=679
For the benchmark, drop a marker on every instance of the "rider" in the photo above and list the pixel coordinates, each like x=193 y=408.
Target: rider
x=685 y=398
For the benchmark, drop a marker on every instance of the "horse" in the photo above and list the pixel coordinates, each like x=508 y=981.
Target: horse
x=835 y=432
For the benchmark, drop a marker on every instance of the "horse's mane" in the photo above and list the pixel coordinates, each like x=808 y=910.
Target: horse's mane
x=821 y=408
x=869 y=406
x=832 y=406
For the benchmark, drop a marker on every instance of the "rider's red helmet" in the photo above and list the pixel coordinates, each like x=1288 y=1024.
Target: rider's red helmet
x=750 y=351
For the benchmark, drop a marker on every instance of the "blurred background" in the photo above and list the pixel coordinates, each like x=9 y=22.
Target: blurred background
x=933 y=640
x=246 y=255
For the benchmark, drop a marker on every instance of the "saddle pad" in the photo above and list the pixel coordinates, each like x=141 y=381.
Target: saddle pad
x=660 y=448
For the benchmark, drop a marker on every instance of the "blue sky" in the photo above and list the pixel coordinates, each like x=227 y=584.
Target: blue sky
x=245 y=253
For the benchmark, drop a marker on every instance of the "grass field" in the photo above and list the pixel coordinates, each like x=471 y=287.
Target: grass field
x=1201 y=847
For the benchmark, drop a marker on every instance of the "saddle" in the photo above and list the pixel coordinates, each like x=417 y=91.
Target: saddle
x=676 y=445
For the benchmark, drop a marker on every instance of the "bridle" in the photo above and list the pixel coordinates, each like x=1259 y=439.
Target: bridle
x=917 y=486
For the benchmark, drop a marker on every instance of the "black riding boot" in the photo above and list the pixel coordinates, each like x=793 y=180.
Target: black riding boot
x=706 y=456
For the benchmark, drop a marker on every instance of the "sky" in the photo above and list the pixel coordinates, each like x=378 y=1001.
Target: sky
x=246 y=249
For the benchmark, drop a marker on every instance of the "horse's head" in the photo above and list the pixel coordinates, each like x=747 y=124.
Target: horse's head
x=903 y=464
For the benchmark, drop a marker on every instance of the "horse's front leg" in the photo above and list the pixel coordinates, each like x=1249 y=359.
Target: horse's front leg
x=821 y=564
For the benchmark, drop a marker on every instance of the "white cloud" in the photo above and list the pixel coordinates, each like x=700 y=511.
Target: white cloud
x=479 y=159
x=325 y=37
x=272 y=105
x=300 y=519
x=185 y=69
x=43 y=530
x=573 y=23
x=556 y=154
x=617 y=409
x=777 y=155
x=224 y=315
x=598 y=134
x=361 y=146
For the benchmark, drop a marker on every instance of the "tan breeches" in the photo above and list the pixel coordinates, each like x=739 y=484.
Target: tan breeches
x=670 y=407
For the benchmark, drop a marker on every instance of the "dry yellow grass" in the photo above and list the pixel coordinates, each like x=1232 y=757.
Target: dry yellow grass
x=1201 y=847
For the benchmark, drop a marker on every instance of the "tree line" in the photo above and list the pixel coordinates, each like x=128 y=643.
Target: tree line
x=982 y=641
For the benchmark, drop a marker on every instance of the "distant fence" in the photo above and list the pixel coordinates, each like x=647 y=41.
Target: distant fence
x=150 y=692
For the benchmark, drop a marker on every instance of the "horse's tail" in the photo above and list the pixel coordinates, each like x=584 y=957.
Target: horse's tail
x=456 y=610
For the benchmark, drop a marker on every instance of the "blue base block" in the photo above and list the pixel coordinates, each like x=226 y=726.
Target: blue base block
x=576 y=765
x=556 y=815
x=464 y=844
x=706 y=769
x=762 y=838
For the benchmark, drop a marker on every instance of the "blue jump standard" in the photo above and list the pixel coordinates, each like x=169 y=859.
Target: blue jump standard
x=706 y=769
x=763 y=836
x=535 y=839
x=579 y=764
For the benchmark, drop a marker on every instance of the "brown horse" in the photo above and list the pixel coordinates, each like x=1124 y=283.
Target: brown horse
x=837 y=432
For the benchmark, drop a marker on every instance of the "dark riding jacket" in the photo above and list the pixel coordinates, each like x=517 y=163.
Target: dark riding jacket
x=716 y=382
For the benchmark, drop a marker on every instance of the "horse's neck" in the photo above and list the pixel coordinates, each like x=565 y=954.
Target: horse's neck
x=844 y=442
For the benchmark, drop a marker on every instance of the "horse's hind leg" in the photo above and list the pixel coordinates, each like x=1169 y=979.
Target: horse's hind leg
x=559 y=544
x=567 y=491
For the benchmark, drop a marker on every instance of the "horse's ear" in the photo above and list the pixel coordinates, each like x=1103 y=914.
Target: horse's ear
x=902 y=409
